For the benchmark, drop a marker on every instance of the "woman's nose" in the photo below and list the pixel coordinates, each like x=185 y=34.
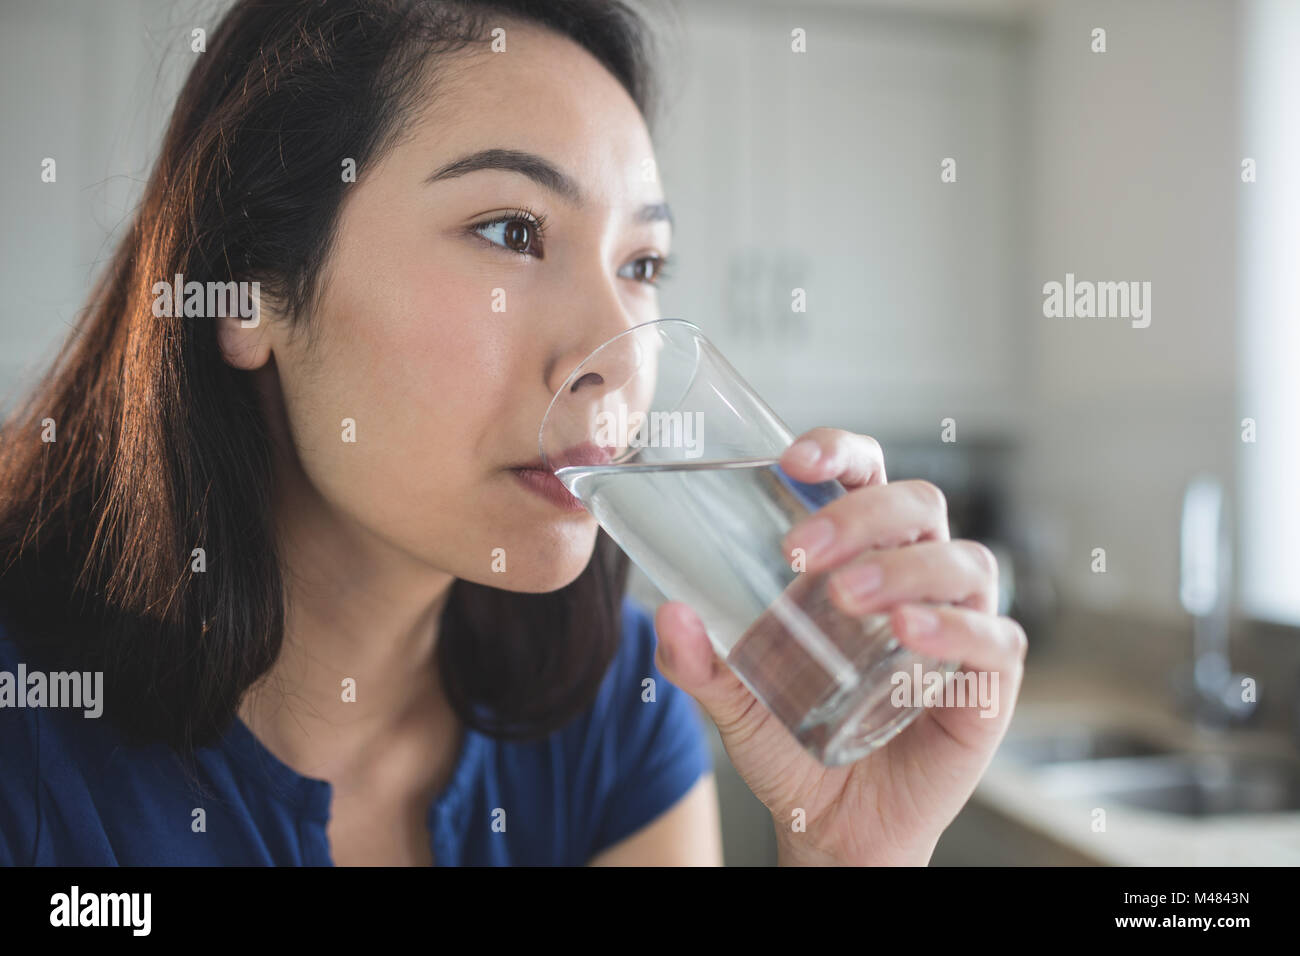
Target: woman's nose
x=602 y=367
x=600 y=403
x=594 y=339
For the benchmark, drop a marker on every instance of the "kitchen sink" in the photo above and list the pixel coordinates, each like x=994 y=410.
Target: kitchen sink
x=1079 y=743
x=1185 y=784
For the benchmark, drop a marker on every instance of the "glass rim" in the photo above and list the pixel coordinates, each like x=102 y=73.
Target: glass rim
x=541 y=429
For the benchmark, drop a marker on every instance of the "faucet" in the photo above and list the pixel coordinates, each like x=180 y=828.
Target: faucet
x=1205 y=592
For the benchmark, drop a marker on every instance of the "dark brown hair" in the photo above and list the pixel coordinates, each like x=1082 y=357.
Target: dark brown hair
x=161 y=445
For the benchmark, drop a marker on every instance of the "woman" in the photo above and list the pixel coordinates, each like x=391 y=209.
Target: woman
x=335 y=623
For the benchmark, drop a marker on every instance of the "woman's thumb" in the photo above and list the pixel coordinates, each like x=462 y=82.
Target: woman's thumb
x=686 y=657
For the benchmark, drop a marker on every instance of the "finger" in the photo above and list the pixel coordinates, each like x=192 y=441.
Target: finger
x=826 y=454
x=940 y=572
x=686 y=657
x=889 y=516
x=978 y=641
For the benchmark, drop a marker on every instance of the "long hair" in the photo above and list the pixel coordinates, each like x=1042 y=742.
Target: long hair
x=159 y=446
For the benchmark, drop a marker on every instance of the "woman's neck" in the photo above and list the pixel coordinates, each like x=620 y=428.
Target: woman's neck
x=357 y=664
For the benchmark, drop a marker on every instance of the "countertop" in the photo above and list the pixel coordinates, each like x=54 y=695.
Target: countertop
x=1062 y=690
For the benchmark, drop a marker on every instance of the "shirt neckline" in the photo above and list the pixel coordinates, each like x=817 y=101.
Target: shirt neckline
x=312 y=796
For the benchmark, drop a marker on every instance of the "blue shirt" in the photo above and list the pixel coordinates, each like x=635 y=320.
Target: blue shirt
x=71 y=792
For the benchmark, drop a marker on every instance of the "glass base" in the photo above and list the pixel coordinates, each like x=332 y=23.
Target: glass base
x=852 y=724
x=826 y=675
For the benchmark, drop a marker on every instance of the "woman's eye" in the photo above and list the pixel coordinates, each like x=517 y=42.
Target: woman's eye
x=516 y=233
x=648 y=269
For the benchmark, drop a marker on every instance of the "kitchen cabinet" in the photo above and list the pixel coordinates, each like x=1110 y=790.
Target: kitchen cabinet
x=821 y=171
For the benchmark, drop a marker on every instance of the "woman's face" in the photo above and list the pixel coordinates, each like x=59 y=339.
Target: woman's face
x=444 y=343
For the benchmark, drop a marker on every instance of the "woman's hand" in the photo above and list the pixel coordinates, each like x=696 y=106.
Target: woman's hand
x=891 y=806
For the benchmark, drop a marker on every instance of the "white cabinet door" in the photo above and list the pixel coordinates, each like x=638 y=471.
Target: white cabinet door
x=820 y=171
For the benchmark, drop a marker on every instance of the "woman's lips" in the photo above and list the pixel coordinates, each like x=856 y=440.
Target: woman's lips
x=543 y=481
x=548 y=486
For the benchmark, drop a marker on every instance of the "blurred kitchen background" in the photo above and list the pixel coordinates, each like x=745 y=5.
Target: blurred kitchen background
x=1172 y=158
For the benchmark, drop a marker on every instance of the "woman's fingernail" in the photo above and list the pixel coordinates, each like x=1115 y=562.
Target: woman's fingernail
x=860 y=581
x=919 y=620
x=665 y=656
x=814 y=537
x=804 y=452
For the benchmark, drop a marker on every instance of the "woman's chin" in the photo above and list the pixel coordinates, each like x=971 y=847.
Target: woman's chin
x=540 y=583
x=531 y=576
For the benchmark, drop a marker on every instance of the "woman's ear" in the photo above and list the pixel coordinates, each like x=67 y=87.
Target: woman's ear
x=246 y=341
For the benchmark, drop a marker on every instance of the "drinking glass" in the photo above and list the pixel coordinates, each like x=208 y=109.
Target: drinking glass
x=676 y=458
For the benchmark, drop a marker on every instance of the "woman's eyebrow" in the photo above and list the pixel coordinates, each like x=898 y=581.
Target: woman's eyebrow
x=540 y=170
x=655 y=212
x=536 y=168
